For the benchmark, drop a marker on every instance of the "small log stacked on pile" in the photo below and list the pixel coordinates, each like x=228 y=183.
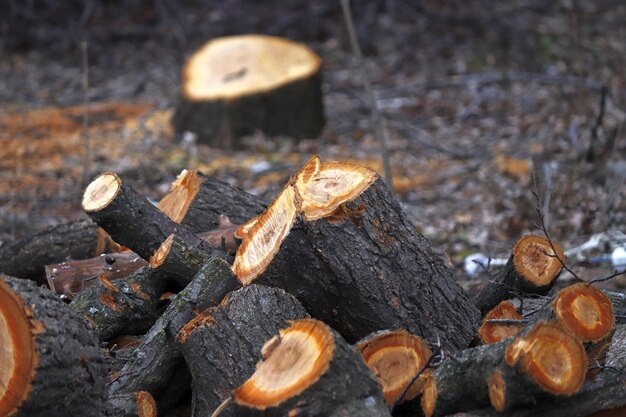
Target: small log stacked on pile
x=338 y=263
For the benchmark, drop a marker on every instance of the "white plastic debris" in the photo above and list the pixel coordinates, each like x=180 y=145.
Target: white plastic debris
x=479 y=262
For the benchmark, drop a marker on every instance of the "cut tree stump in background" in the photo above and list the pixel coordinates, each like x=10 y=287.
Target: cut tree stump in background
x=50 y=361
x=235 y=85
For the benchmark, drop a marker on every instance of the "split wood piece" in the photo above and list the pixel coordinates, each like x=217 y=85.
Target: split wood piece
x=309 y=370
x=395 y=357
x=72 y=276
x=542 y=360
x=50 y=361
x=236 y=85
x=158 y=356
x=138 y=404
x=124 y=306
x=532 y=269
x=367 y=269
x=607 y=392
x=489 y=333
x=131 y=219
x=26 y=257
x=225 y=342
x=197 y=201
x=179 y=259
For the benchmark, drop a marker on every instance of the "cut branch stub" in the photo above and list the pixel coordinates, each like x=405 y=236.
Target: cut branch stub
x=265 y=237
x=584 y=311
x=308 y=369
x=550 y=357
x=395 y=357
x=235 y=85
x=323 y=189
x=494 y=332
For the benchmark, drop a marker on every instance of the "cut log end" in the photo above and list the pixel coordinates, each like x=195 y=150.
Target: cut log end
x=182 y=192
x=497 y=391
x=293 y=362
x=395 y=357
x=243 y=230
x=585 y=311
x=146 y=405
x=536 y=261
x=429 y=393
x=160 y=254
x=494 y=332
x=264 y=239
x=323 y=189
x=101 y=191
x=551 y=357
x=230 y=67
x=18 y=358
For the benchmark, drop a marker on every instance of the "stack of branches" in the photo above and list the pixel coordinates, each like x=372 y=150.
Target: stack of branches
x=326 y=302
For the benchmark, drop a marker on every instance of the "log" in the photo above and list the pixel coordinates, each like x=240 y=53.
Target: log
x=533 y=267
x=158 y=356
x=197 y=201
x=236 y=85
x=395 y=357
x=72 y=276
x=125 y=306
x=131 y=219
x=309 y=370
x=179 y=259
x=138 y=404
x=361 y=266
x=26 y=257
x=50 y=361
x=541 y=360
x=225 y=342
x=489 y=332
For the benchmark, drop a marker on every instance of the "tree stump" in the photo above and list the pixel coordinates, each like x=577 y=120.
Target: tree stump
x=50 y=361
x=235 y=85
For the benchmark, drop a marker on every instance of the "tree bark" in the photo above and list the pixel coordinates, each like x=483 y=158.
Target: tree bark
x=56 y=367
x=372 y=271
x=223 y=344
x=138 y=404
x=179 y=259
x=157 y=357
x=124 y=306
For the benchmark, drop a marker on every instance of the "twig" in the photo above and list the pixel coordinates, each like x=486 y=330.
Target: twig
x=613 y=275
x=86 y=140
x=508 y=321
x=222 y=407
x=377 y=120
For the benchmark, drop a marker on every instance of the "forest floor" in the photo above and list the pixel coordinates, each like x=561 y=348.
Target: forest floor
x=486 y=104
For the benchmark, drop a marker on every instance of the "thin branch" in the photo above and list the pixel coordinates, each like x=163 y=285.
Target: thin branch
x=508 y=321
x=222 y=407
x=616 y=273
x=377 y=120
x=412 y=381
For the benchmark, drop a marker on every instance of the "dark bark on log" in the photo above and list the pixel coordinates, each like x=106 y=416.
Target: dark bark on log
x=619 y=305
x=225 y=342
x=66 y=373
x=345 y=389
x=132 y=220
x=179 y=259
x=71 y=277
x=26 y=257
x=138 y=404
x=125 y=306
x=372 y=271
x=157 y=357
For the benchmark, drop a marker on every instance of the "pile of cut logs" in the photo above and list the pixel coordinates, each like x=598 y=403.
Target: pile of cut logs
x=326 y=302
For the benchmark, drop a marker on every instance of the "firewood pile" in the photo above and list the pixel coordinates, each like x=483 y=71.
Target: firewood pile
x=325 y=302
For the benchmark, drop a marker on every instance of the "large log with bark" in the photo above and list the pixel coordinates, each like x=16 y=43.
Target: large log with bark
x=235 y=85
x=50 y=361
x=309 y=370
x=225 y=342
x=353 y=258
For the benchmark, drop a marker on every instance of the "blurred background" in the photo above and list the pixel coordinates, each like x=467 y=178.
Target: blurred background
x=484 y=102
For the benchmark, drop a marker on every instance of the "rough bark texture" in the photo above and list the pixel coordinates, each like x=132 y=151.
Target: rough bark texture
x=138 y=404
x=181 y=262
x=134 y=222
x=294 y=109
x=372 y=271
x=223 y=344
x=619 y=305
x=26 y=257
x=124 y=306
x=70 y=375
x=157 y=357
x=346 y=389
x=215 y=198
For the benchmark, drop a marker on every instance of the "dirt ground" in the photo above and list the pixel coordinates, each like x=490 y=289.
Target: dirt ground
x=484 y=102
